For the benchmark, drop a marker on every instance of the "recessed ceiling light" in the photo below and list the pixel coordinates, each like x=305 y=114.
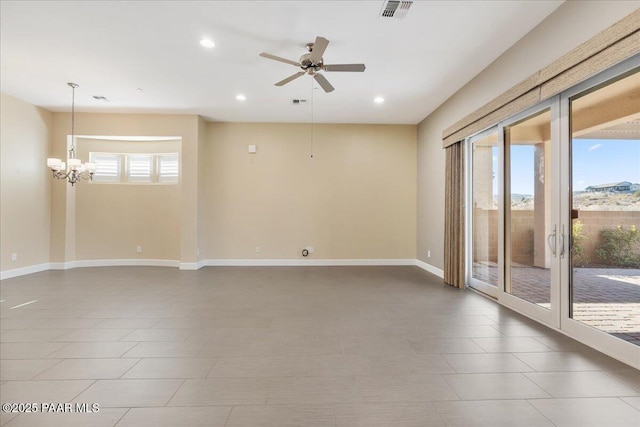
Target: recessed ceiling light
x=207 y=43
x=241 y=97
x=378 y=100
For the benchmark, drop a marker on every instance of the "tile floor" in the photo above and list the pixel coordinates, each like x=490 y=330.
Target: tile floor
x=607 y=299
x=317 y=346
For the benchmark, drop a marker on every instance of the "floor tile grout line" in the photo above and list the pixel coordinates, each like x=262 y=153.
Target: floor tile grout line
x=45 y=370
x=122 y=417
x=215 y=362
x=516 y=356
x=444 y=378
x=226 y=421
x=46 y=356
x=627 y=403
x=482 y=348
x=166 y=405
x=127 y=351
x=551 y=349
x=448 y=363
x=132 y=366
x=538 y=411
x=85 y=389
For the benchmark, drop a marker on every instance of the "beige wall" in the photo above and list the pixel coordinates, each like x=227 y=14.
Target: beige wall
x=570 y=25
x=24 y=183
x=64 y=216
x=202 y=183
x=355 y=199
x=113 y=219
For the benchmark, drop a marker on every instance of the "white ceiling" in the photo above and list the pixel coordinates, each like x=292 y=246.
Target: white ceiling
x=112 y=48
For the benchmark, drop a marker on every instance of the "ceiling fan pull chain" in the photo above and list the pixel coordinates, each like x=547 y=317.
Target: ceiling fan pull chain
x=312 y=102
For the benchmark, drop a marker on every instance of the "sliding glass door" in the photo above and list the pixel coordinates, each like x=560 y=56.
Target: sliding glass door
x=603 y=208
x=531 y=213
x=484 y=157
x=553 y=212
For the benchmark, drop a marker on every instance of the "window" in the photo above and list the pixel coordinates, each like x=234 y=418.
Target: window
x=139 y=168
x=107 y=166
x=168 y=167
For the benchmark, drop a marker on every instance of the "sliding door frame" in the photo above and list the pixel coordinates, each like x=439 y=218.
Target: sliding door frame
x=559 y=315
x=483 y=287
x=550 y=316
x=600 y=340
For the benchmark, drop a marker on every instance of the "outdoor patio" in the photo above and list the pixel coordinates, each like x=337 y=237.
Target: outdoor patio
x=605 y=298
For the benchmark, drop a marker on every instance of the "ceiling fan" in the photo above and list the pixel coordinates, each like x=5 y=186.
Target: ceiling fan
x=312 y=62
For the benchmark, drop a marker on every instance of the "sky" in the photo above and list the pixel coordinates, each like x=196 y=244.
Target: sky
x=522 y=168
x=605 y=161
x=595 y=162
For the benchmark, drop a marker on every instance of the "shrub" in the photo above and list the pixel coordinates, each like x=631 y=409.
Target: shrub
x=619 y=246
x=637 y=194
x=578 y=257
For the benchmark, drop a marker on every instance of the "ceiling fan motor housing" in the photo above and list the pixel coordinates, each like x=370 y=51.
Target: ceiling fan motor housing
x=307 y=63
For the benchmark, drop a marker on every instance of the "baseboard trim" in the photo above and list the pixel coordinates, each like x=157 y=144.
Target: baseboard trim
x=216 y=263
x=127 y=263
x=114 y=263
x=62 y=265
x=430 y=268
x=192 y=265
x=8 y=274
x=286 y=262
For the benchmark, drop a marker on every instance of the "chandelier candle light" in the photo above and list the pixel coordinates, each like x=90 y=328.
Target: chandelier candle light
x=74 y=170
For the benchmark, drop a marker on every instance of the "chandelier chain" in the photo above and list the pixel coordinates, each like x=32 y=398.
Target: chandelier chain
x=73 y=116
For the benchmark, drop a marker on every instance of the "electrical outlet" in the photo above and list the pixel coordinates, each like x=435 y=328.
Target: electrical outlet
x=139 y=249
x=257 y=249
x=14 y=256
x=428 y=254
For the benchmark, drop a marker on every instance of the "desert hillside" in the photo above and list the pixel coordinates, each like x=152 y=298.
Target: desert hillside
x=588 y=201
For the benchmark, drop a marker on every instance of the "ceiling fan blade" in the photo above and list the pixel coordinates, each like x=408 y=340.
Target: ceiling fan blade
x=324 y=83
x=277 y=58
x=319 y=46
x=290 y=78
x=345 y=67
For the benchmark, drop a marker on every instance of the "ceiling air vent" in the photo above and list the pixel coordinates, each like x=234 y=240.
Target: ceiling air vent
x=395 y=9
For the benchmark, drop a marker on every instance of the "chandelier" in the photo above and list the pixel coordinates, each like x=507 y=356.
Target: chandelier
x=74 y=170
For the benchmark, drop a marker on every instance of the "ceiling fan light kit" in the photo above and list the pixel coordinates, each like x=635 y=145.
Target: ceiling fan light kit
x=311 y=63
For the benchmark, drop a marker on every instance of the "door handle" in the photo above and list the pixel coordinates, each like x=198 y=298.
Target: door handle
x=551 y=236
x=562 y=242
